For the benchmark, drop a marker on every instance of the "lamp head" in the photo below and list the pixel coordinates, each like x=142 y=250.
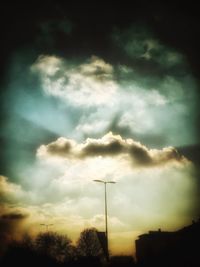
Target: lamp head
x=105 y=182
x=99 y=181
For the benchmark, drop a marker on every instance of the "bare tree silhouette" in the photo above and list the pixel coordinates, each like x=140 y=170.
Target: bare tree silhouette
x=88 y=244
x=55 y=245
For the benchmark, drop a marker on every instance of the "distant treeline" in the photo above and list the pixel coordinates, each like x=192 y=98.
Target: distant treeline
x=50 y=249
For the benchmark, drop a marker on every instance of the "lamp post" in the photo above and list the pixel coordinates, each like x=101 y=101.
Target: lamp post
x=106 y=213
x=46 y=225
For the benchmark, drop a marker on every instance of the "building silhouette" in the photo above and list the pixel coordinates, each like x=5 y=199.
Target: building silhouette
x=170 y=249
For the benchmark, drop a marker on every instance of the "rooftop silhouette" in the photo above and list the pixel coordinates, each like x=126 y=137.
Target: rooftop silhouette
x=174 y=249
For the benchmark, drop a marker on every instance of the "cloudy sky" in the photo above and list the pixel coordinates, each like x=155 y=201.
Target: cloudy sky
x=99 y=92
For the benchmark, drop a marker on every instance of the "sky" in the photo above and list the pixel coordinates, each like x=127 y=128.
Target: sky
x=99 y=91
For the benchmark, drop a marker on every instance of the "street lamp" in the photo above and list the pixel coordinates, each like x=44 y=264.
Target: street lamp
x=46 y=225
x=106 y=215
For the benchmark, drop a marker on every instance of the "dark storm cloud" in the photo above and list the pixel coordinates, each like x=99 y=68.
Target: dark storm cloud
x=111 y=145
x=13 y=216
x=136 y=152
x=111 y=149
x=140 y=155
x=51 y=32
x=147 y=54
x=61 y=149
